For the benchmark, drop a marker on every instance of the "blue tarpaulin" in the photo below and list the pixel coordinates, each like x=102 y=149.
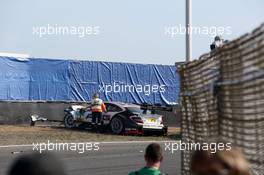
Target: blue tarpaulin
x=71 y=80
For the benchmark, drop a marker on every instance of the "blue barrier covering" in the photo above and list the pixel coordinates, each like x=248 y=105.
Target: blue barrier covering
x=70 y=80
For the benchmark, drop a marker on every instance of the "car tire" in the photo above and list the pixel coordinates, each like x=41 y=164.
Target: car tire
x=117 y=125
x=69 y=121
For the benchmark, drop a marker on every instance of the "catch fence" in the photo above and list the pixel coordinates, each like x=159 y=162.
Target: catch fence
x=222 y=96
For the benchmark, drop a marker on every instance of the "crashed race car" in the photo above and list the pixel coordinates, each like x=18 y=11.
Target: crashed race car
x=120 y=118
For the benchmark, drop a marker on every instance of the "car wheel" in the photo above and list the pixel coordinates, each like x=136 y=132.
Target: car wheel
x=117 y=125
x=69 y=121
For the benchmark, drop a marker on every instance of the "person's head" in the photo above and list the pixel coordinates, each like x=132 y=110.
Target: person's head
x=36 y=164
x=203 y=162
x=96 y=95
x=224 y=162
x=234 y=161
x=217 y=38
x=153 y=154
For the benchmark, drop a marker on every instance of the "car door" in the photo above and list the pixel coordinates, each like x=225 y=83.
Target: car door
x=112 y=110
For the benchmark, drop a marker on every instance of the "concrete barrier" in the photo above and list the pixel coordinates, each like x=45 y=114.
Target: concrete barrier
x=17 y=112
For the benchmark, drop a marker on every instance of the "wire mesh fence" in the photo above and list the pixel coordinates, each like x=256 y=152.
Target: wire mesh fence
x=222 y=96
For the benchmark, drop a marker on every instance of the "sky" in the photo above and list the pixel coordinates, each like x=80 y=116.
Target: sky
x=134 y=31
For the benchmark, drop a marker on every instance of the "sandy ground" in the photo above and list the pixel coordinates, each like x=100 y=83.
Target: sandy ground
x=10 y=134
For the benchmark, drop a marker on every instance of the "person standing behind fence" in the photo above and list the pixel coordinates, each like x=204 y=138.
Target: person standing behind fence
x=224 y=162
x=153 y=157
x=98 y=107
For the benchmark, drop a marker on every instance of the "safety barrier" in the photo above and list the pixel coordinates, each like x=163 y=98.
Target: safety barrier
x=222 y=96
x=18 y=112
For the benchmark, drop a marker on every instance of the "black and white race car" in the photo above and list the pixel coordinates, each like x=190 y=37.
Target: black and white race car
x=121 y=118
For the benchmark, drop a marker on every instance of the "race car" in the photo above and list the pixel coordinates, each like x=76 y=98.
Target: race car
x=121 y=118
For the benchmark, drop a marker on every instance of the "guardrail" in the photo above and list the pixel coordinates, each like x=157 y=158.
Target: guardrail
x=222 y=96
